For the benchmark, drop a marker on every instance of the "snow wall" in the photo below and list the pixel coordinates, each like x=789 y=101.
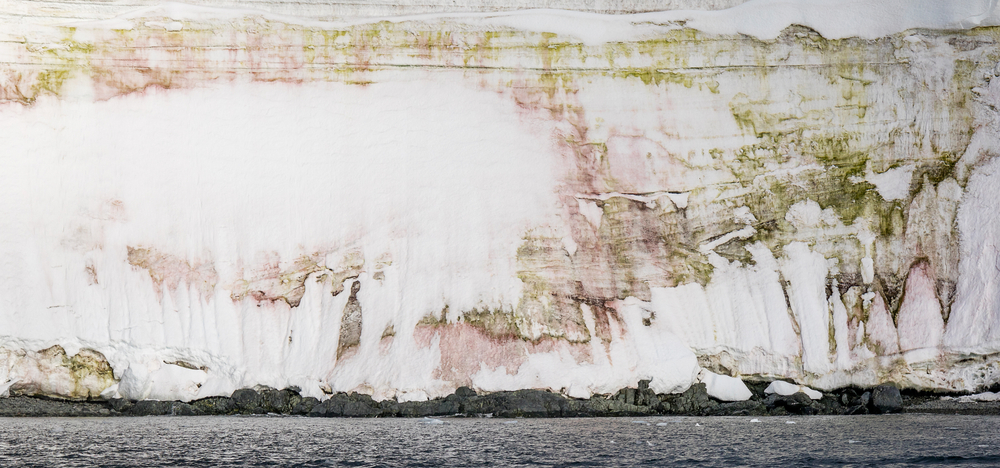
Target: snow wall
x=196 y=199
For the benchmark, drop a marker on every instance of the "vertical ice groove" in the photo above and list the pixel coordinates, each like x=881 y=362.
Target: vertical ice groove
x=806 y=272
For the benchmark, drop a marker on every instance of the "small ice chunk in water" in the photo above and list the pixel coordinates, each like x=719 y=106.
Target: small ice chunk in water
x=661 y=424
x=789 y=422
x=754 y=420
x=432 y=421
x=853 y=441
x=510 y=422
x=697 y=425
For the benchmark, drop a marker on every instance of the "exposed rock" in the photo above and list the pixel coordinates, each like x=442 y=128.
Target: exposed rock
x=305 y=405
x=693 y=401
x=519 y=403
x=600 y=406
x=522 y=403
x=859 y=409
x=795 y=403
x=215 y=405
x=279 y=401
x=737 y=408
x=435 y=407
x=120 y=405
x=152 y=408
x=184 y=409
x=247 y=400
x=886 y=399
x=352 y=405
x=39 y=407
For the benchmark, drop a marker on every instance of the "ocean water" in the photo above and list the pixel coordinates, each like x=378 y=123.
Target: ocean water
x=883 y=441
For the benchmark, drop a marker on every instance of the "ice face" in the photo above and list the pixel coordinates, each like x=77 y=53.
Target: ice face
x=203 y=199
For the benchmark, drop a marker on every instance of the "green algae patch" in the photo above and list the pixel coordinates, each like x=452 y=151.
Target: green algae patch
x=55 y=65
x=649 y=76
x=82 y=376
x=497 y=323
x=91 y=373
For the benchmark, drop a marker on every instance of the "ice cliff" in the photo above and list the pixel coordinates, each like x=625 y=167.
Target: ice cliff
x=197 y=199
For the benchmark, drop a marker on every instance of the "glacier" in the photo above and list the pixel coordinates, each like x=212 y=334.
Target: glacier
x=197 y=199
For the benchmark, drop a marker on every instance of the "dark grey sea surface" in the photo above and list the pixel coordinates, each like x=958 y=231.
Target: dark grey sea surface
x=883 y=441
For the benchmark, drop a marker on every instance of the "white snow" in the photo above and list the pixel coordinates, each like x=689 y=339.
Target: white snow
x=591 y=211
x=920 y=324
x=806 y=270
x=763 y=19
x=724 y=387
x=201 y=177
x=744 y=233
x=975 y=315
x=781 y=387
x=893 y=184
x=979 y=397
x=142 y=381
x=879 y=328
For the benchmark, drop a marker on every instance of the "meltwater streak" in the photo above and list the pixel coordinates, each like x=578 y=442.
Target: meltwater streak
x=897 y=440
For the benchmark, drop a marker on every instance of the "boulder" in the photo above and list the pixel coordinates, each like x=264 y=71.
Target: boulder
x=247 y=400
x=151 y=408
x=886 y=399
x=304 y=406
x=120 y=405
x=795 y=403
x=694 y=400
x=279 y=401
x=215 y=405
x=352 y=405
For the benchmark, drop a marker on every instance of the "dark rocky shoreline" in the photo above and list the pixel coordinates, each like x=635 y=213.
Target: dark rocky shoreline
x=465 y=402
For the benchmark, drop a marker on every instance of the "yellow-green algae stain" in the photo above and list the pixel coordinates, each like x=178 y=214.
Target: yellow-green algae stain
x=87 y=372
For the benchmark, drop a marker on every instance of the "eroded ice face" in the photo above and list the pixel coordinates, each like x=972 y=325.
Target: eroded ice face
x=214 y=199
